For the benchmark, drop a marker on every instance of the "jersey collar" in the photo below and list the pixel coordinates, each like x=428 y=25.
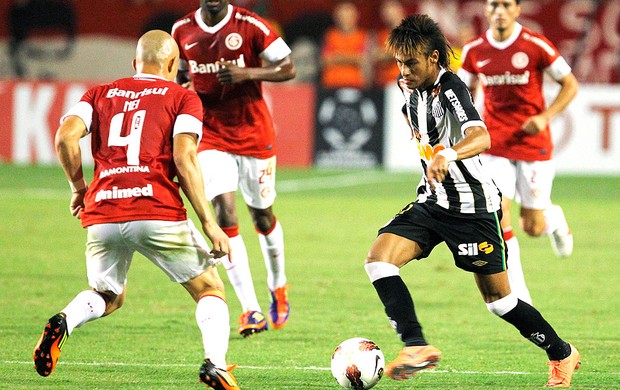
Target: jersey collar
x=501 y=45
x=218 y=26
x=147 y=76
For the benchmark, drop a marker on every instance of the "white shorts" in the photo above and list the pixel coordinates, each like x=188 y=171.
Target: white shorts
x=177 y=248
x=527 y=182
x=224 y=172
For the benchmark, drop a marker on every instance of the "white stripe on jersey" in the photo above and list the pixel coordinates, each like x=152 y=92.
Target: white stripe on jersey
x=276 y=51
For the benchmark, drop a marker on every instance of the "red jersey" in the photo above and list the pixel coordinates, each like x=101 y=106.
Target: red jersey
x=236 y=118
x=132 y=122
x=511 y=73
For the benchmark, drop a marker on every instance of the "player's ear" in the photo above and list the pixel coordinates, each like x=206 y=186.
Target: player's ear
x=133 y=64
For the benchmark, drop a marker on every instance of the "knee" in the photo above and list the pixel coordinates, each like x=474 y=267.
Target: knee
x=503 y=305
x=205 y=284
x=533 y=228
x=263 y=219
x=113 y=301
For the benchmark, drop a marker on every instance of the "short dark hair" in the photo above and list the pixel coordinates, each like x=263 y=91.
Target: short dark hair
x=420 y=34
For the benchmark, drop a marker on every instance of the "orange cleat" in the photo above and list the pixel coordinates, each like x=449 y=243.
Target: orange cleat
x=561 y=371
x=410 y=360
x=279 y=309
x=47 y=350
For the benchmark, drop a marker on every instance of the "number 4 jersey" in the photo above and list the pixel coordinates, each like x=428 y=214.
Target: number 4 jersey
x=132 y=122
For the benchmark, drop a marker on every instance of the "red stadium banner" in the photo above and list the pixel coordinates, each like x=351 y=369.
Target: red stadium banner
x=32 y=110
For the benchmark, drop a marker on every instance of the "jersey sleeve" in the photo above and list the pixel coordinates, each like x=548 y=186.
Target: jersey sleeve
x=552 y=62
x=82 y=109
x=460 y=104
x=189 y=119
x=277 y=51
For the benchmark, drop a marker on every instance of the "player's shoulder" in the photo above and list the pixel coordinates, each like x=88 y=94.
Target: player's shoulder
x=477 y=42
x=538 y=40
x=186 y=21
x=245 y=16
x=449 y=80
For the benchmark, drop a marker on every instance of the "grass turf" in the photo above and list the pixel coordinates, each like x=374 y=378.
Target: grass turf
x=330 y=219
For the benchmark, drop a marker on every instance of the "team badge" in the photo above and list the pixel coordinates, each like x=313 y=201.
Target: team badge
x=233 y=41
x=520 y=60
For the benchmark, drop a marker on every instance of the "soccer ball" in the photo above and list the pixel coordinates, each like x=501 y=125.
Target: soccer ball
x=357 y=363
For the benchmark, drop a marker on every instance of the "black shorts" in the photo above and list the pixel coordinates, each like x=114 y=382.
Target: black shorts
x=475 y=240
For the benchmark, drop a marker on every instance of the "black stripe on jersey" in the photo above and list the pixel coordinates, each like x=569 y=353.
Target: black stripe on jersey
x=454 y=200
x=474 y=184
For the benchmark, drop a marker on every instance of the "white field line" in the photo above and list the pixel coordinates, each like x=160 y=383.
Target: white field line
x=284 y=186
x=295 y=368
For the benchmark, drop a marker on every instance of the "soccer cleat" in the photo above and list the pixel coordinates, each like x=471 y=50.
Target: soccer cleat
x=561 y=238
x=279 y=308
x=217 y=378
x=47 y=350
x=561 y=371
x=410 y=360
x=252 y=322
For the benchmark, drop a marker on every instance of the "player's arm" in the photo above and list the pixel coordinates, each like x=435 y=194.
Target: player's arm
x=568 y=90
x=476 y=141
x=281 y=70
x=69 y=153
x=190 y=179
x=183 y=77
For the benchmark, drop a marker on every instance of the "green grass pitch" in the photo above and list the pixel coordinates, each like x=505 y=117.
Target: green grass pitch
x=330 y=219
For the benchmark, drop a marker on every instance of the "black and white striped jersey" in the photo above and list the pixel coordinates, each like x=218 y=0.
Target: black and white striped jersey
x=439 y=117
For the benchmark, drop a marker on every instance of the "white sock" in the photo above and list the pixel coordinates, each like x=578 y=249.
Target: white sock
x=240 y=276
x=555 y=219
x=503 y=305
x=272 y=246
x=86 y=306
x=515 y=271
x=214 y=323
x=380 y=269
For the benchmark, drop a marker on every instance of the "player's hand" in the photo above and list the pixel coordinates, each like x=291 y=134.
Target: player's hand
x=189 y=85
x=229 y=73
x=219 y=239
x=76 y=206
x=535 y=124
x=437 y=170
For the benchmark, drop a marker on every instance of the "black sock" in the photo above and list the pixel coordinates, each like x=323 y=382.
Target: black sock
x=535 y=328
x=400 y=310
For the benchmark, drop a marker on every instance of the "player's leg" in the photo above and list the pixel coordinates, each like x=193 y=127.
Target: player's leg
x=212 y=317
x=181 y=251
x=563 y=358
x=107 y=262
x=391 y=251
x=221 y=177
x=257 y=184
x=504 y=174
x=539 y=216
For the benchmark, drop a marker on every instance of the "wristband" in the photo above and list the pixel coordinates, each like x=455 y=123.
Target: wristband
x=449 y=154
x=77 y=186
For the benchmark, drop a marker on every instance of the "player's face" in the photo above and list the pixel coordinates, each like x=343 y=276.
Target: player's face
x=502 y=14
x=213 y=7
x=418 y=70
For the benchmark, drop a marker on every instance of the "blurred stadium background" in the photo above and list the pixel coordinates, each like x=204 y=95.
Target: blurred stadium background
x=55 y=49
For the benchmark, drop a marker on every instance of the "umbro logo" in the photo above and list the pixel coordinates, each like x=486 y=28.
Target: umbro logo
x=482 y=63
x=190 y=45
